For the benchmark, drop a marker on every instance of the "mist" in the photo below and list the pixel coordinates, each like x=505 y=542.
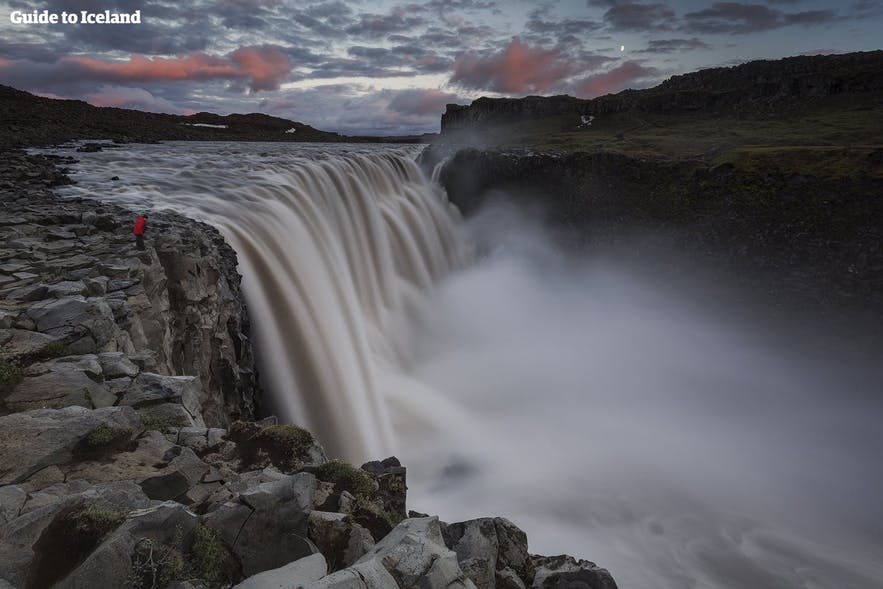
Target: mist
x=638 y=423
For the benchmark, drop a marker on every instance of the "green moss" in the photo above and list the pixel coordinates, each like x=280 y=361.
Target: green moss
x=211 y=560
x=106 y=435
x=10 y=374
x=287 y=445
x=156 y=422
x=92 y=517
x=347 y=477
x=155 y=565
x=53 y=350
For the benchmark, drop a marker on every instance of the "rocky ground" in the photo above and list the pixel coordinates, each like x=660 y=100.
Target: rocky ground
x=129 y=454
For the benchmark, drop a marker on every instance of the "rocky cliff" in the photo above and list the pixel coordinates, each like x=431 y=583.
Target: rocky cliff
x=129 y=453
x=752 y=88
x=814 y=237
x=73 y=283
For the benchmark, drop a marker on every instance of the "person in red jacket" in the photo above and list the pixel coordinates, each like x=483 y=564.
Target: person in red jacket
x=140 y=228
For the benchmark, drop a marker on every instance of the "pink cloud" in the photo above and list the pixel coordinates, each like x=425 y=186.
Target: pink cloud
x=258 y=68
x=517 y=69
x=265 y=66
x=612 y=81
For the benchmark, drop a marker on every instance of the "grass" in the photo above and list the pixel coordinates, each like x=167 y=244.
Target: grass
x=834 y=136
x=210 y=559
x=286 y=446
x=156 y=564
x=347 y=477
x=51 y=350
x=106 y=436
x=157 y=422
x=10 y=374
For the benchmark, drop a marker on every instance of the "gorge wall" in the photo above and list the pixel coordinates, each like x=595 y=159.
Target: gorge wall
x=72 y=281
x=803 y=231
x=751 y=88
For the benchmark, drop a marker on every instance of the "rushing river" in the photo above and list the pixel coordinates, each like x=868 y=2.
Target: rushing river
x=610 y=416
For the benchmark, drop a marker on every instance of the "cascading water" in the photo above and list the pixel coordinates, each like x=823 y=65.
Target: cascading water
x=611 y=415
x=334 y=252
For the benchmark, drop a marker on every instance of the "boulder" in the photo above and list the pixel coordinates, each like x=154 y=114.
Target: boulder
x=41 y=540
x=300 y=573
x=76 y=315
x=23 y=343
x=159 y=532
x=58 y=383
x=32 y=440
x=66 y=289
x=116 y=365
x=553 y=572
x=414 y=553
x=476 y=545
x=277 y=510
x=150 y=389
x=367 y=575
x=339 y=538
x=489 y=549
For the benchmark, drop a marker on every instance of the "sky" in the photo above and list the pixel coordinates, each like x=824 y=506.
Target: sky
x=389 y=67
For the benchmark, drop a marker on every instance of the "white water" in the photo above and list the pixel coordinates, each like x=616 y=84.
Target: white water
x=611 y=417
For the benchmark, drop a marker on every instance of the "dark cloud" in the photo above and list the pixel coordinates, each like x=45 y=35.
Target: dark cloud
x=165 y=30
x=674 y=45
x=538 y=22
x=740 y=18
x=370 y=25
x=422 y=102
x=631 y=74
x=866 y=8
x=635 y=16
x=517 y=69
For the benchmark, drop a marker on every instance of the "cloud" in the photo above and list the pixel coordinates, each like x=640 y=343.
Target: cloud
x=628 y=75
x=635 y=16
x=127 y=97
x=517 y=69
x=421 y=102
x=264 y=66
x=740 y=18
x=259 y=68
x=673 y=45
x=380 y=25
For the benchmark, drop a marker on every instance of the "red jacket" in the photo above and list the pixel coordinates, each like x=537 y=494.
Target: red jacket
x=140 y=225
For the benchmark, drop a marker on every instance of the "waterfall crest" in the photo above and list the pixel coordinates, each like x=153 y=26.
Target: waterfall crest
x=333 y=255
x=337 y=248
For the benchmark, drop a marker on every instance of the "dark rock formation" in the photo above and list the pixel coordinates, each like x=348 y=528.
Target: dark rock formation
x=818 y=237
x=73 y=283
x=750 y=88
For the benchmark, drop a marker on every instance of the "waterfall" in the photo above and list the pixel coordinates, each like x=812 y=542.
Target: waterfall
x=332 y=257
x=337 y=248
